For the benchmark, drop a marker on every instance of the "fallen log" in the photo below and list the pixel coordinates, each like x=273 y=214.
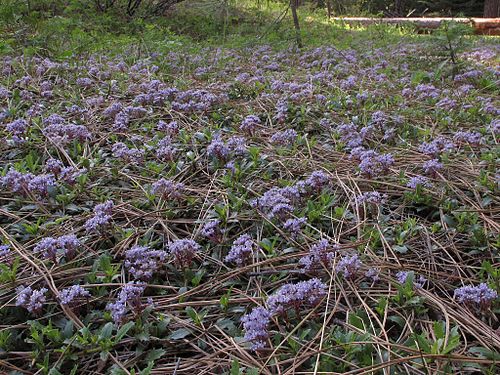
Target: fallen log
x=483 y=26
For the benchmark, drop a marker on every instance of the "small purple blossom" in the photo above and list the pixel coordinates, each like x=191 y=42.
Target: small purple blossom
x=73 y=295
x=284 y=138
x=308 y=293
x=402 y=276
x=250 y=123
x=473 y=138
x=480 y=296
x=294 y=226
x=320 y=255
x=31 y=299
x=183 y=251
x=5 y=254
x=256 y=325
x=129 y=300
x=167 y=189
x=415 y=181
x=142 y=262
x=212 y=231
x=241 y=251
x=101 y=218
x=133 y=155
x=349 y=266
x=171 y=128
x=373 y=274
x=432 y=166
x=372 y=197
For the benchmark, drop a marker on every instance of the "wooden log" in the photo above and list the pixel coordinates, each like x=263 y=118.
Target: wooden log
x=485 y=26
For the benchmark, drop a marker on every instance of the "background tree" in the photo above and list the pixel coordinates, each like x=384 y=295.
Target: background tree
x=491 y=8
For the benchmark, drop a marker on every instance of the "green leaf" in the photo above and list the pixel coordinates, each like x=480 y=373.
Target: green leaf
x=154 y=354
x=235 y=367
x=106 y=331
x=123 y=331
x=180 y=334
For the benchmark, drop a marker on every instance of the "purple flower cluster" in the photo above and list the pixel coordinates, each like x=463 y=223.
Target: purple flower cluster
x=241 y=251
x=62 y=133
x=372 y=197
x=277 y=202
x=415 y=181
x=480 y=296
x=431 y=167
x=289 y=296
x=372 y=163
x=101 y=218
x=5 y=254
x=473 y=138
x=73 y=295
x=183 y=251
x=320 y=255
x=167 y=189
x=129 y=300
x=62 y=173
x=17 y=128
x=437 y=146
x=142 y=262
x=256 y=325
x=284 y=138
x=166 y=151
x=250 y=124
x=31 y=299
x=170 y=128
x=133 y=155
x=49 y=246
x=212 y=231
x=24 y=183
x=349 y=266
x=294 y=226
x=402 y=276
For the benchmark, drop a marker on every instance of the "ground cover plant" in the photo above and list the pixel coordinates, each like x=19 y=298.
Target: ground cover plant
x=251 y=209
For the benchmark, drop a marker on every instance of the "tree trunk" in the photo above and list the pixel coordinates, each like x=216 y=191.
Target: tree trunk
x=329 y=8
x=491 y=8
x=298 y=39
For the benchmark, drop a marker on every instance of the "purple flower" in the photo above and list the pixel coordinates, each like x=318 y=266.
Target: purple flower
x=277 y=202
x=480 y=296
x=61 y=133
x=437 y=146
x=165 y=151
x=256 y=325
x=432 y=166
x=373 y=274
x=17 y=128
x=418 y=181
x=40 y=184
x=16 y=181
x=73 y=295
x=371 y=197
x=167 y=189
x=218 y=149
x=241 y=251
x=142 y=262
x=349 y=266
x=284 y=138
x=101 y=218
x=294 y=226
x=171 y=128
x=5 y=254
x=473 y=138
x=132 y=155
x=308 y=293
x=317 y=181
x=402 y=276
x=129 y=300
x=113 y=110
x=84 y=82
x=371 y=163
x=321 y=254
x=183 y=251
x=49 y=246
x=212 y=231
x=250 y=123
x=31 y=299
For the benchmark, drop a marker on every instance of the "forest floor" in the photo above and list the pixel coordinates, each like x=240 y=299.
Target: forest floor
x=177 y=206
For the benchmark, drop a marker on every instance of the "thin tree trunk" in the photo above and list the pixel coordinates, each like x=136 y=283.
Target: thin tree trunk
x=298 y=39
x=329 y=8
x=491 y=8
